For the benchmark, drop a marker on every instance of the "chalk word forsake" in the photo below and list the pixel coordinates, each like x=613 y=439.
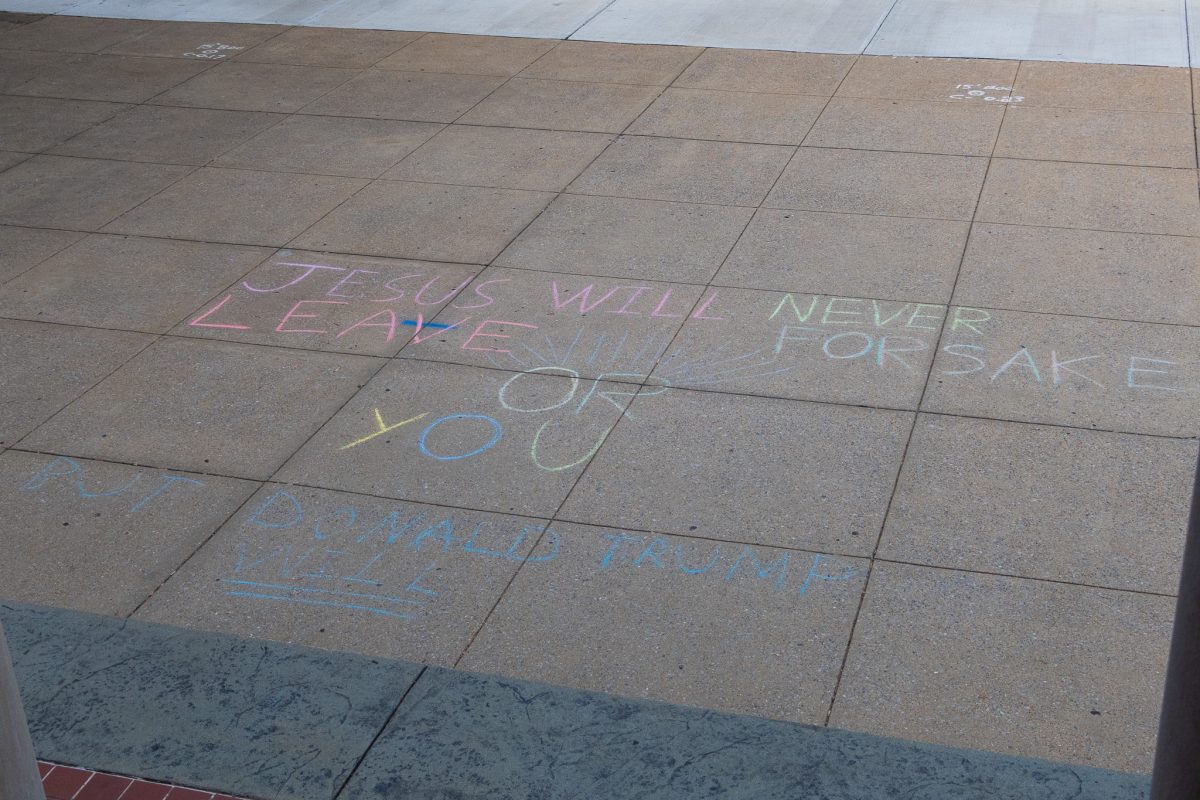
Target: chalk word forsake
x=213 y=50
x=725 y=561
x=986 y=92
x=1052 y=367
x=384 y=564
x=63 y=470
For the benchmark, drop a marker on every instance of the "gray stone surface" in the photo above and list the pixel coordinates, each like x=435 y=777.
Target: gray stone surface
x=563 y=324
x=1133 y=276
x=18 y=67
x=724 y=173
x=675 y=617
x=1108 y=137
x=894 y=78
x=328 y=47
x=185 y=40
x=75 y=34
x=205 y=406
x=163 y=703
x=468 y=55
x=853 y=255
x=120 y=79
x=45 y=367
x=1013 y=665
x=405 y=95
x=1087 y=373
x=730 y=116
x=807 y=347
x=604 y=62
x=78 y=193
x=892 y=184
x=351 y=573
x=626 y=238
x=256 y=87
x=126 y=282
x=562 y=105
x=446 y=437
x=465 y=735
x=764 y=471
x=507 y=158
x=23 y=249
x=1112 y=87
x=356 y=148
x=238 y=206
x=988 y=496
x=32 y=124
x=766 y=71
x=326 y=301
x=404 y=219
x=101 y=537
x=908 y=126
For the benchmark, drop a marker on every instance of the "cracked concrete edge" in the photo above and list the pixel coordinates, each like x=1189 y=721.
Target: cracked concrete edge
x=267 y=719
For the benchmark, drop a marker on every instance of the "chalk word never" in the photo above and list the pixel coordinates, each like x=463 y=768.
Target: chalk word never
x=69 y=471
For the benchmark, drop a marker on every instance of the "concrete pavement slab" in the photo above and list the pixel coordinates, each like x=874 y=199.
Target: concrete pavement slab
x=811 y=25
x=403 y=219
x=1015 y=665
x=126 y=282
x=232 y=394
x=354 y=148
x=1134 y=199
x=463 y=436
x=683 y=170
x=168 y=135
x=22 y=249
x=908 y=126
x=1085 y=373
x=208 y=41
x=562 y=105
x=102 y=537
x=1118 y=523
x=328 y=47
x=554 y=19
x=730 y=116
x=506 y=158
x=676 y=617
x=8 y=160
x=1131 y=276
x=332 y=302
x=573 y=325
x=891 y=184
x=1108 y=87
x=599 y=62
x=74 y=34
x=897 y=78
x=48 y=366
x=413 y=96
x=468 y=55
x=1106 y=30
x=32 y=124
x=766 y=71
x=705 y=464
x=847 y=254
x=119 y=79
x=801 y=346
x=79 y=193
x=184 y=706
x=352 y=573
x=1103 y=137
x=241 y=86
x=238 y=206
x=18 y=67
x=626 y=238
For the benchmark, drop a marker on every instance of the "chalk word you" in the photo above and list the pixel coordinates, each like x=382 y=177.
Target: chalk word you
x=136 y=493
x=212 y=50
x=396 y=563
x=986 y=92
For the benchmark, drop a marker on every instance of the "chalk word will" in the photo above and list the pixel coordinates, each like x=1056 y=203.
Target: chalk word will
x=212 y=51
x=69 y=471
x=978 y=91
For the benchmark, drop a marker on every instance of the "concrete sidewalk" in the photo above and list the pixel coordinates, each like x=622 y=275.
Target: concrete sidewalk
x=835 y=389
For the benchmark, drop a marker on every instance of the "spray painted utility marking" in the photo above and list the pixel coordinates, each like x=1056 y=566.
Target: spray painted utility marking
x=212 y=50
x=985 y=91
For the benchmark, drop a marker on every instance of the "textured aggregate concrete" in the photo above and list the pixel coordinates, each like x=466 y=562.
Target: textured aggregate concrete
x=475 y=310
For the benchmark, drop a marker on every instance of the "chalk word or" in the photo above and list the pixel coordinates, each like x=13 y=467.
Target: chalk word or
x=66 y=470
x=212 y=50
x=979 y=91
x=395 y=563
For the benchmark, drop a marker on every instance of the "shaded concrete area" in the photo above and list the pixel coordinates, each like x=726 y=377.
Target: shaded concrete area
x=831 y=389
